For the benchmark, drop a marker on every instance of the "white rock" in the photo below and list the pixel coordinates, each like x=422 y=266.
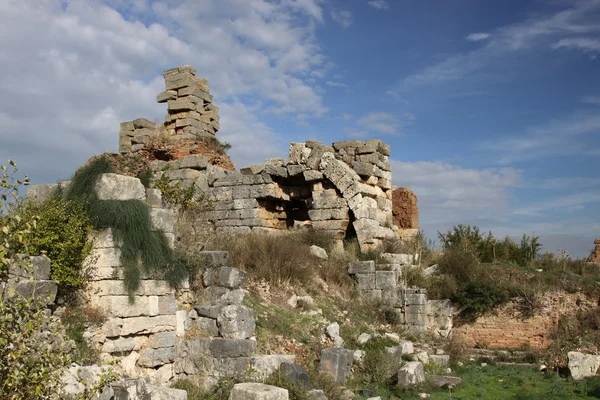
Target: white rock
x=363 y=338
x=119 y=187
x=411 y=373
x=319 y=252
x=583 y=365
x=257 y=391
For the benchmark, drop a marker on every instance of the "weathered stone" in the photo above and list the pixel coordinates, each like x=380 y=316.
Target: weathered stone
x=583 y=365
x=337 y=362
x=151 y=358
x=318 y=252
x=236 y=322
x=215 y=259
x=145 y=325
x=412 y=373
x=194 y=161
x=143 y=123
x=230 y=277
x=41 y=193
x=296 y=374
x=119 y=345
x=266 y=365
x=316 y=394
x=163 y=97
x=207 y=325
x=44 y=290
x=34 y=267
x=311 y=175
x=365 y=281
x=386 y=280
x=444 y=381
x=220 y=347
x=257 y=391
x=361 y=267
x=167 y=304
x=119 y=187
x=183 y=174
x=222 y=367
x=440 y=359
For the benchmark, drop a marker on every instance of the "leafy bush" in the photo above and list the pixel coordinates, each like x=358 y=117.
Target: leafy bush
x=62 y=234
x=378 y=365
x=175 y=194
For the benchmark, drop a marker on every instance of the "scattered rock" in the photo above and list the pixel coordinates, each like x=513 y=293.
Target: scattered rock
x=257 y=391
x=319 y=252
x=583 y=365
x=363 y=338
x=445 y=381
x=411 y=373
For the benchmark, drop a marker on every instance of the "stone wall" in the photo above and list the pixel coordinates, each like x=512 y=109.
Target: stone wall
x=343 y=189
x=382 y=282
x=506 y=328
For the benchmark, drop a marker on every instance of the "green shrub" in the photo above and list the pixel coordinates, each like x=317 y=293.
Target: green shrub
x=378 y=365
x=478 y=298
x=62 y=234
x=131 y=227
x=279 y=379
x=175 y=194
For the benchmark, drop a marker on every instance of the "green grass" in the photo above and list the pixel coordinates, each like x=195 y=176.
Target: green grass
x=499 y=382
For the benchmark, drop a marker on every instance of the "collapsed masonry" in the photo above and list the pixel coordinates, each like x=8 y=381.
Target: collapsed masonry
x=344 y=189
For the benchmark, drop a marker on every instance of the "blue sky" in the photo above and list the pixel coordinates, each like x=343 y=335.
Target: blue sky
x=492 y=108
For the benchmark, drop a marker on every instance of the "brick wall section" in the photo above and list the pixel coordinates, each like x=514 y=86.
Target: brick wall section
x=506 y=328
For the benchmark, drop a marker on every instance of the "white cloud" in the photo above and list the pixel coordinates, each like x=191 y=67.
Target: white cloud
x=72 y=70
x=476 y=37
x=379 y=4
x=446 y=190
x=560 y=203
x=563 y=136
x=336 y=84
x=581 y=43
x=380 y=122
x=506 y=42
x=343 y=17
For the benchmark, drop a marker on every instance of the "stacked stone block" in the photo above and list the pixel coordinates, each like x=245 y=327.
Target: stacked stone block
x=191 y=113
x=382 y=282
x=29 y=278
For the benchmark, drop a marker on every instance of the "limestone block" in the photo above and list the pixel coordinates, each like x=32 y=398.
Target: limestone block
x=257 y=391
x=119 y=187
x=166 y=95
x=167 y=304
x=386 y=280
x=219 y=194
x=365 y=281
x=329 y=225
x=183 y=104
x=242 y=192
x=583 y=365
x=119 y=345
x=240 y=204
x=119 y=306
x=269 y=191
x=146 y=325
x=41 y=193
x=361 y=267
x=294 y=170
x=402 y=259
x=266 y=365
x=328 y=213
x=405 y=347
x=222 y=367
x=296 y=153
x=415 y=299
x=155 y=288
x=221 y=347
x=412 y=373
x=344 y=145
x=194 y=161
x=296 y=374
x=253 y=169
x=440 y=359
x=112 y=327
x=276 y=171
x=415 y=319
x=42 y=289
x=230 y=277
x=162 y=339
x=207 y=325
x=31 y=267
x=236 y=322
x=183 y=174
x=209 y=310
x=143 y=123
x=312 y=175
x=150 y=358
x=444 y=381
x=105 y=257
x=363 y=169
x=337 y=362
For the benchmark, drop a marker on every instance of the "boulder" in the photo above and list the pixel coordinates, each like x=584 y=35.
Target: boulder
x=296 y=374
x=266 y=365
x=411 y=373
x=236 y=322
x=337 y=362
x=257 y=391
x=583 y=365
x=444 y=381
x=119 y=187
x=318 y=252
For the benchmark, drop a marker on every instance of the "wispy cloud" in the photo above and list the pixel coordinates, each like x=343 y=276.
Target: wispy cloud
x=595 y=100
x=573 y=201
x=356 y=133
x=564 y=136
x=381 y=122
x=584 y=44
x=476 y=37
x=343 y=17
x=337 y=84
x=379 y=4
x=445 y=189
x=503 y=44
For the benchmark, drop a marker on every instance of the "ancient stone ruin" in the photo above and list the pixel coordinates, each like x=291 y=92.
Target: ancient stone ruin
x=344 y=189
x=595 y=256
x=405 y=212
